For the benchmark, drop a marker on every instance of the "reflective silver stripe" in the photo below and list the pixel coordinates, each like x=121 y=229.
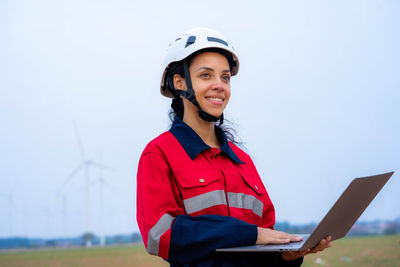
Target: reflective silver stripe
x=244 y=201
x=204 y=201
x=163 y=224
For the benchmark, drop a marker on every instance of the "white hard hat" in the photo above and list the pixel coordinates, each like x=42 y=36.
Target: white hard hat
x=192 y=41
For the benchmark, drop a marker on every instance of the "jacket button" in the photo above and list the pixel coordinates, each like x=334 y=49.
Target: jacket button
x=201 y=180
x=256 y=187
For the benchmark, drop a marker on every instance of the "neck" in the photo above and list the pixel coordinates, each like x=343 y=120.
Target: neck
x=203 y=128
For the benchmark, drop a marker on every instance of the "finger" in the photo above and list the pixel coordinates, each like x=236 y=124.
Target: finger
x=327 y=243
x=319 y=247
x=293 y=238
x=269 y=236
x=280 y=240
x=323 y=244
x=284 y=235
x=297 y=238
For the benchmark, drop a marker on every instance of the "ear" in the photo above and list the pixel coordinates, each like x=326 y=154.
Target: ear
x=179 y=82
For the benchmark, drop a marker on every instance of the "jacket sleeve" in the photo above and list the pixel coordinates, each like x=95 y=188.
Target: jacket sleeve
x=194 y=238
x=157 y=206
x=166 y=230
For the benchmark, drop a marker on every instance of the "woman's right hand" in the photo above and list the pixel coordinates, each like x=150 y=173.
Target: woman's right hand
x=269 y=236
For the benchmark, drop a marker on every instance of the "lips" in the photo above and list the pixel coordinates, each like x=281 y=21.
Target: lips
x=215 y=100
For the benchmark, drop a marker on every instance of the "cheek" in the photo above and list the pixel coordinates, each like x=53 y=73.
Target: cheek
x=199 y=87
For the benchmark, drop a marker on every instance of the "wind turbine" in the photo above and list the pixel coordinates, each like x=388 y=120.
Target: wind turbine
x=102 y=182
x=85 y=166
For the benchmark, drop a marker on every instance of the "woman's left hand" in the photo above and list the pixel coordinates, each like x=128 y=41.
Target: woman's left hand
x=292 y=255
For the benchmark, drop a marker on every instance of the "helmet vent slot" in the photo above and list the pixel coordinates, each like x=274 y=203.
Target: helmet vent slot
x=217 y=40
x=190 y=40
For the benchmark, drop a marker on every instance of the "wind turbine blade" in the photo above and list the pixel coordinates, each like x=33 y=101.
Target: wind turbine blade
x=78 y=138
x=77 y=169
x=72 y=175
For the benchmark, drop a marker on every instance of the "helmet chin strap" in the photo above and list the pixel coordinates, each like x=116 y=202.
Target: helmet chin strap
x=189 y=95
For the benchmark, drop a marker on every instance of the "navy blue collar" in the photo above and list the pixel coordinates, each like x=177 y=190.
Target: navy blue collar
x=194 y=145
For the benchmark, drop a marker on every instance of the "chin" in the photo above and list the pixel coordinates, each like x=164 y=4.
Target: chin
x=215 y=114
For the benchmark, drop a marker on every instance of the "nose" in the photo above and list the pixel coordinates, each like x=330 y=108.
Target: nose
x=220 y=85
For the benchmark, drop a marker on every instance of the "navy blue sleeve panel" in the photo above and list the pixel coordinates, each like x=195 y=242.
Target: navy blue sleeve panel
x=196 y=238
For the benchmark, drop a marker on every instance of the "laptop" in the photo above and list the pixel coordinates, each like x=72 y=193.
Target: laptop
x=338 y=221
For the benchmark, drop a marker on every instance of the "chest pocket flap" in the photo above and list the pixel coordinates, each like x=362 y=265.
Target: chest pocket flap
x=199 y=178
x=253 y=182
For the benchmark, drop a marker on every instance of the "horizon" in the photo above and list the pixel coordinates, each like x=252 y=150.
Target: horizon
x=315 y=103
x=312 y=224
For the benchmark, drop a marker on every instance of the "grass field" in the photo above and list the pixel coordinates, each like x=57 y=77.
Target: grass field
x=361 y=251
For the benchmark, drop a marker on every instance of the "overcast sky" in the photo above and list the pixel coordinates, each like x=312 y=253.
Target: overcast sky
x=316 y=103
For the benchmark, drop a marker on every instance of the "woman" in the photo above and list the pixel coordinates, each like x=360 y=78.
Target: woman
x=197 y=191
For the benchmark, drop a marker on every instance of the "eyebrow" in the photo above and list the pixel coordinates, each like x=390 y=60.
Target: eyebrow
x=211 y=69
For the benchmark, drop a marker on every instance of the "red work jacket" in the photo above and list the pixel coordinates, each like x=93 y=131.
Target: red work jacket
x=179 y=174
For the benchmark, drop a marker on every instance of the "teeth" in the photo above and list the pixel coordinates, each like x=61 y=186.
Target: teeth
x=216 y=99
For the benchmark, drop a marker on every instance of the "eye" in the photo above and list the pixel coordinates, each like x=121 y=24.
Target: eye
x=205 y=75
x=226 y=78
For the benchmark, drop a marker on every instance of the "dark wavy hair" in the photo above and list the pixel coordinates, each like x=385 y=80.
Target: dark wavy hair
x=177 y=106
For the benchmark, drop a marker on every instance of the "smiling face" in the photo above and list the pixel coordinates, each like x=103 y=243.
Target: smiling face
x=210 y=75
